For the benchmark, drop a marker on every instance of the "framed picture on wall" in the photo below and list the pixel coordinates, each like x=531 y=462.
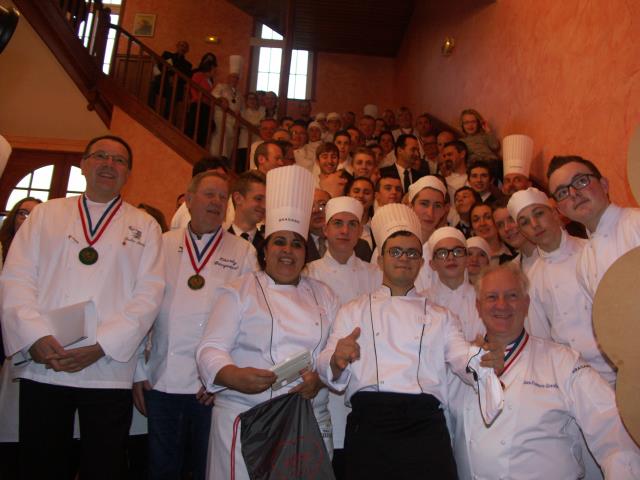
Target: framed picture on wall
x=144 y=24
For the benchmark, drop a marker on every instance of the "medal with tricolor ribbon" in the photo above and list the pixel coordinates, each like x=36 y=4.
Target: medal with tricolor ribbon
x=199 y=258
x=89 y=255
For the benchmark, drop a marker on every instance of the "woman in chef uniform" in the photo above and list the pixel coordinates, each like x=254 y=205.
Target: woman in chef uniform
x=263 y=318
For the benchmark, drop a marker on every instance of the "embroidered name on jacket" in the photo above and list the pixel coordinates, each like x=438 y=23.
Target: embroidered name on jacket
x=540 y=385
x=229 y=263
x=134 y=235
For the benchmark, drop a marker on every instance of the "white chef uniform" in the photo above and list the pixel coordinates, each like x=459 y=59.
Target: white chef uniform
x=171 y=367
x=526 y=262
x=347 y=282
x=43 y=272
x=546 y=387
x=618 y=231
x=559 y=307
x=258 y=323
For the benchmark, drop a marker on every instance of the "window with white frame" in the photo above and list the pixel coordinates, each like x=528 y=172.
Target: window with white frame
x=85 y=35
x=265 y=72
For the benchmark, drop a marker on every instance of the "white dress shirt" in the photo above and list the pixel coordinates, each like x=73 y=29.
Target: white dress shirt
x=43 y=273
x=180 y=324
x=545 y=389
x=559 y=309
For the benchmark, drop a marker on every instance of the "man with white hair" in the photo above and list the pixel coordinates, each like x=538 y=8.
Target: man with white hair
x=390 y=351
x=546 y=386
x=348 y=277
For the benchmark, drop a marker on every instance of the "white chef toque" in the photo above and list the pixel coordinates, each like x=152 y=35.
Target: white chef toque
x=428 y=181
x=392 y=218
x=445 y=232
x=479 y=242
x=235 y=64
x=289 y=200
x=517 y=153
x=522 y=199
x=343 y=204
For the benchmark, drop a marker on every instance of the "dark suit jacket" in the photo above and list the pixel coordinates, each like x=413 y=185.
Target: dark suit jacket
x=258 y=239
x=312 y=250
x=392 y=171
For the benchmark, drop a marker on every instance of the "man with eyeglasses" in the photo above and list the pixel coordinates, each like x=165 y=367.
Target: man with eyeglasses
x=582 y=195
x=390 y=350
x=71 y=250
x=348 y=277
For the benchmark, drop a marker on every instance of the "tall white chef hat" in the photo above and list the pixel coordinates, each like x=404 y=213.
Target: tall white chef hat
x=445 y=232
x=481 y=243
x=392 y=218
x=314 y=124
x=343 y=204
x=371 y=110
x=522 y=199
x=428 y=181
x=235 y=64
x=517 y=153
x=5 y=152
x=289 y=200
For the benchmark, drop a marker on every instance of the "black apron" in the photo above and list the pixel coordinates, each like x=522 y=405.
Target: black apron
x=399 y=436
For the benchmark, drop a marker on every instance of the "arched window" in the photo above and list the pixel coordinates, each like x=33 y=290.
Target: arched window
x=40 y=174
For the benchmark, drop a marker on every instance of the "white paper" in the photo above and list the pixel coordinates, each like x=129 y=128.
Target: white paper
x=73 y=326
x=289 y=370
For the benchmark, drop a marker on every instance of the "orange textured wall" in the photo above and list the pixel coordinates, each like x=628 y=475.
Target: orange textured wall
x=159 y=174
x=194 y=20
x=349 y=82
x=565 y=73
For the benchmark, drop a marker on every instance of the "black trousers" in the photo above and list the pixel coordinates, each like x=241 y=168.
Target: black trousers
x=46 y=431
x=399 y=436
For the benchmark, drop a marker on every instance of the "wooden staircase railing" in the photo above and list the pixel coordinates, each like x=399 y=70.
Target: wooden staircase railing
x=112 y=67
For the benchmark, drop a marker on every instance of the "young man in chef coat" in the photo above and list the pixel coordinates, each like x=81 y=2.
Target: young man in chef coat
x=168 y=390
x=582 y=195
x=546 y=386
x=348 y=277
x=390 y=350
x=70 y=250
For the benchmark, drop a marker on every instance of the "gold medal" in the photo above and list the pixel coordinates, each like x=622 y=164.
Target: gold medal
x=88 y=256
x=195 y=282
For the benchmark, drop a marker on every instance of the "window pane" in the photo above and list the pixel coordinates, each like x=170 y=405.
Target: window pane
x=276 y=57
x=42 y=177
x=302 y=57
x=24 y=183
x=294 y=61
x=40 y=194
x=263 y=59
x=77 y=182
x=269 y=34
x=274 y=83
x=14 y=197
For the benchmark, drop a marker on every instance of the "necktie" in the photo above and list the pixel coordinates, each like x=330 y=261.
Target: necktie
x=322 y=246
x=407 y=180
x=245 y=235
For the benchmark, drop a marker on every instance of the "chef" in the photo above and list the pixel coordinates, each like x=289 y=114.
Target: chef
x=558 y=310
x=71 y=250
x=348 y=277
x=231 y=98
x=198 y=259
x=451 y=289
x=517 y=153
x=546 y=386
x=582 y=195
x=263 y=318
x=390 y=351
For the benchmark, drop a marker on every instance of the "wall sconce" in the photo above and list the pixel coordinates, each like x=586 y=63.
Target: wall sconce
x=212 y=39
x=448 y=45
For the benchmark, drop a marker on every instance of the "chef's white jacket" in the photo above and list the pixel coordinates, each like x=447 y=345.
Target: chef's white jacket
x=184 y=312
x=559 y=309
x=547 y=387
x=347 y=282
x=617 y=232
x=43 y=273
x=406 y=343
x=462 y=303
x=258 y=323
x=526 y=263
